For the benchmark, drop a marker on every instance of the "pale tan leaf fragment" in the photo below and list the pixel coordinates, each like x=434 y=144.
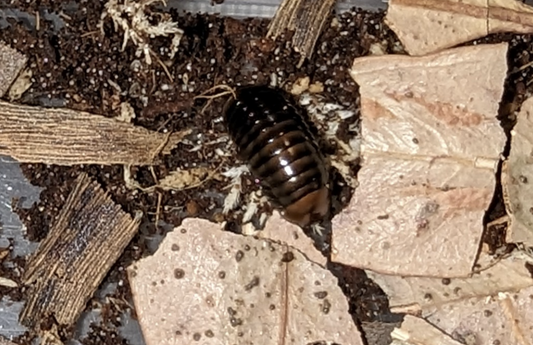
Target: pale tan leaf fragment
x=11 y=63
x=306 y=19
x=417 y=331
x=510 y=16
x=510 y=274
x=8 y=282
x=208 y=286
x=506 y=318
x=182 y=179
x=447 y=23
x=430 y=143
x=279 y=230
x=20 y=85
x=517 y=178
x=300 y=86
x=68 y=137
x=88 y=237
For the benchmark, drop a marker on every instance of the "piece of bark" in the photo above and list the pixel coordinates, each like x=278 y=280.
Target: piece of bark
x=517 y=178
x=430 y=143
x=419 y=293
x=69 y=137
x=417 y=331
x=447 y=23
x=506 y=319
x=306 y=18
x=11 y=63
x=88 y=237
x=208 y=286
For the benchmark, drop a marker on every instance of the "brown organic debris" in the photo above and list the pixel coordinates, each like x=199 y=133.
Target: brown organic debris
x=447 y=23
x=90 y=234
x=517 y=178
x=68 y=137
x=430 y=146
x=11 y=63
x=205 y=285
x=306 y=18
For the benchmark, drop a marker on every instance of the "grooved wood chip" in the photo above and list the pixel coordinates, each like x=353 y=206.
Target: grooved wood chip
x=68 y=137
x=430 y=144
x=88 y=237
x=208 y=286
x=306 y=19
x=426 y=26
x=517 y=178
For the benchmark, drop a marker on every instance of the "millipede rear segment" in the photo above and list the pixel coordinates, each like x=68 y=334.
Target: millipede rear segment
x=282 y=153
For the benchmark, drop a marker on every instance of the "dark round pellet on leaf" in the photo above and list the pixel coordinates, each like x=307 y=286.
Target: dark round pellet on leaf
x=276 y=141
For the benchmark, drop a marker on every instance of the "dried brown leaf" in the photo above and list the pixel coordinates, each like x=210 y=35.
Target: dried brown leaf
x=510 y=274
x=430 y=146
x=280 y=230
x=11 y=63
x=88 y=237
x=506 y=318
x=447 y=23
x=417 y=331
x=517 y=178
x=208 y=286
x=68 y=137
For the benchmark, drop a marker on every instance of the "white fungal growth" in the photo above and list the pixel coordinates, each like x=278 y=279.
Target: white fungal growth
x=256 y=200
x=329 y=117
x=234 y=196
x=318 y=229
x=251 y=208
x=132 y=18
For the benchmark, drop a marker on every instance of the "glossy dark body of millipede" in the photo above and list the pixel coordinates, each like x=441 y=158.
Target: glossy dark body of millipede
x=276 y=142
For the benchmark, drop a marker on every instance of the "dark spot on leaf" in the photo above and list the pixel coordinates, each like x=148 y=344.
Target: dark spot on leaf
x=321 y=294
x=235 y=322
x=179 y=273
x=253 y=283
x=326 y=306
x=287 y=257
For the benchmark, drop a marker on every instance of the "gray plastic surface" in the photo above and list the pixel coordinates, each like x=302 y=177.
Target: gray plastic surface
x=261 y=8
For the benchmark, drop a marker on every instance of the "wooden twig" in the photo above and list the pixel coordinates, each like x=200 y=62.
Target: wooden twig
x=306 y=18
